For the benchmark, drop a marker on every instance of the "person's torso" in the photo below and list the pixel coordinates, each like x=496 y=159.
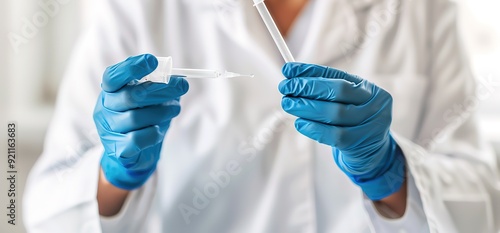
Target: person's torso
x=233 y=161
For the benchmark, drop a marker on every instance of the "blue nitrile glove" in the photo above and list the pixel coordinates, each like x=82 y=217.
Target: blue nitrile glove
x=353 y=116
x=132 y=119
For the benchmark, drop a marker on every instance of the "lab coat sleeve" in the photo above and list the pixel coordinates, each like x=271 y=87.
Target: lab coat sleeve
x=413 y=220
x=454 y=171
x=60 y=194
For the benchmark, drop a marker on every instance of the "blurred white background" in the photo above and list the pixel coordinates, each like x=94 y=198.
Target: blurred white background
x=30 y=72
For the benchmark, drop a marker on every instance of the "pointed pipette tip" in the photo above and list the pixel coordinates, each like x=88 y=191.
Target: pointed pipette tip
x=228 y=74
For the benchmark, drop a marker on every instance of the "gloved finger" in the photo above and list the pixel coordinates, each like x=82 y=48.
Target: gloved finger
x=336 y=136
x=328 y=112
x=345 y=138
x=296 y=69
x=149 y=157
x=118 y=75
x=145 y=94
x=123 y=122
x=336 y=90
x=128 y=147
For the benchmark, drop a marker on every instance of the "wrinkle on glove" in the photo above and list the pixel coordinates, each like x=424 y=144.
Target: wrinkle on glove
x=351 y=115
x=132 y=119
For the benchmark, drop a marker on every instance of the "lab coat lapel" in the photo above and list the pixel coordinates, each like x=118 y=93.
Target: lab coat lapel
x=240 y=22
x=333 y=33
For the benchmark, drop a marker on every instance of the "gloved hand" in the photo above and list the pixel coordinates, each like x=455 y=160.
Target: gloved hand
x=353 y=116
x=132 y=119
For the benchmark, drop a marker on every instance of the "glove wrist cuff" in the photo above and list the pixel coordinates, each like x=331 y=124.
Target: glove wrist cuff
x=388 y=182
x=121 y=177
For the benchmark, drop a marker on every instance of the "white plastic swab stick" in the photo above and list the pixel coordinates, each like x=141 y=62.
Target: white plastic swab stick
x=273 y=30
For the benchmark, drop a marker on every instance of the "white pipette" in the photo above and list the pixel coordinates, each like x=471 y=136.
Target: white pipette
x=273 y=30
x=164 y=71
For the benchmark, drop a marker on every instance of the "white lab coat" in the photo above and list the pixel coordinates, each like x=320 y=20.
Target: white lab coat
x=279 y=180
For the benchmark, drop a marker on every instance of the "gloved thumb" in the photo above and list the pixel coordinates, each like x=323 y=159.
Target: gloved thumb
x=119 y=75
